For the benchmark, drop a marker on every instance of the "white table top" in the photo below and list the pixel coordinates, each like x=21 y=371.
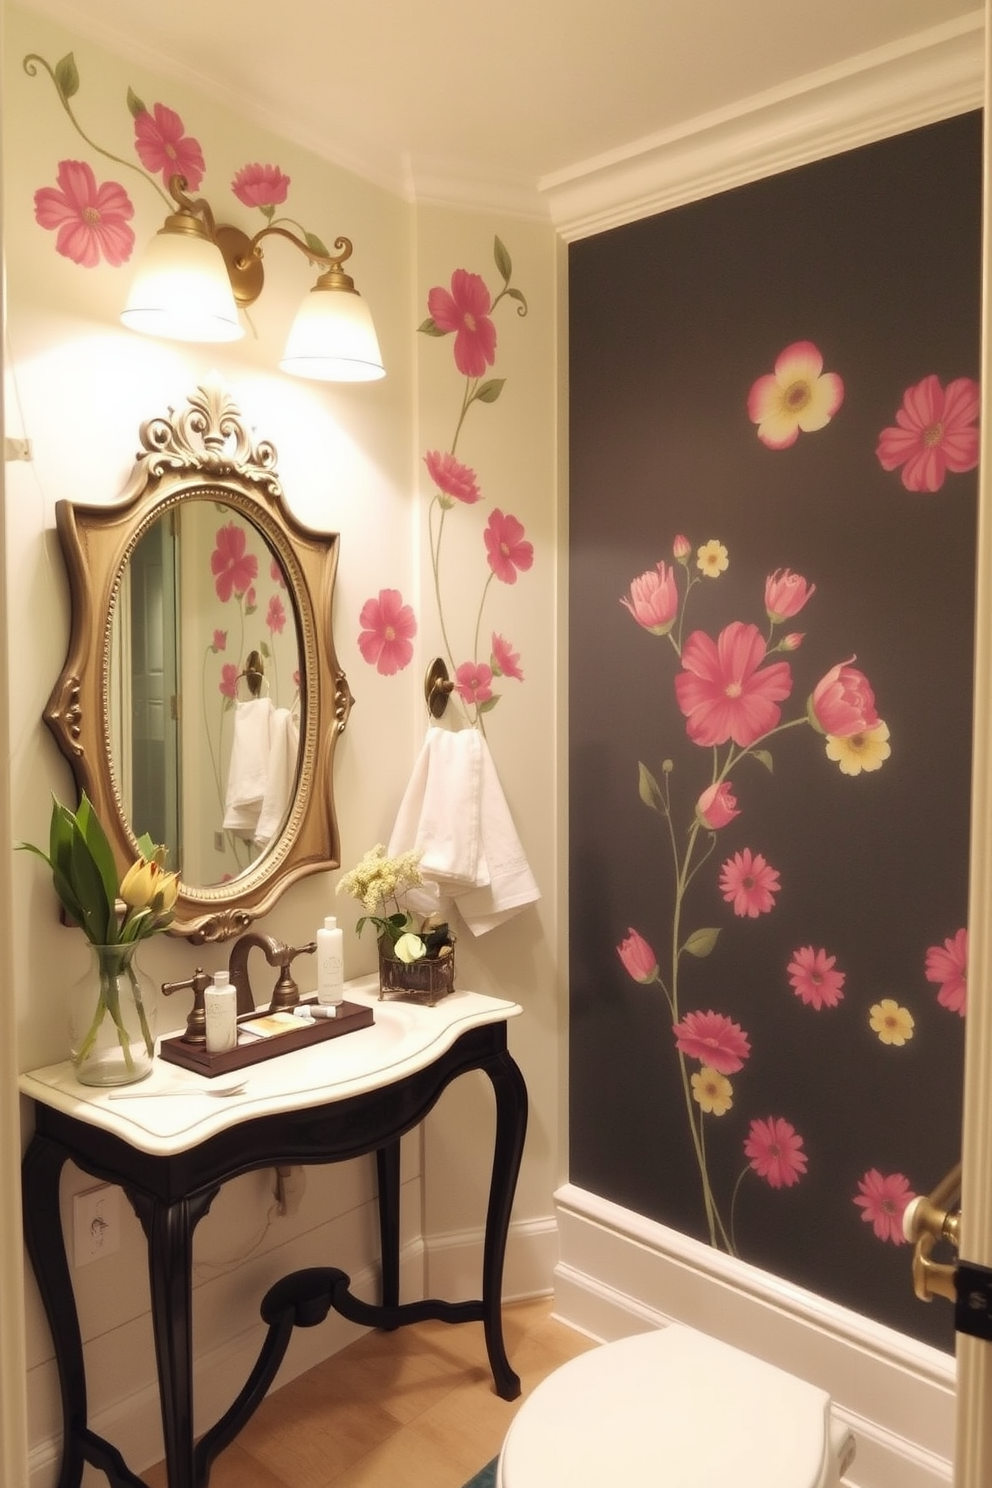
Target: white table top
x=404 y=1038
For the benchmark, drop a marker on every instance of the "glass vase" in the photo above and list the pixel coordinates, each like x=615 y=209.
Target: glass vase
x=112 y=1018
x=425 y=980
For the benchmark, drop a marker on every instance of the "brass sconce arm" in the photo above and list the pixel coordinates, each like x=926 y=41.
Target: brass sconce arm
x=928 y=1220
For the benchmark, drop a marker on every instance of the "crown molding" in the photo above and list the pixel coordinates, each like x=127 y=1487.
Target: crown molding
x=931 y=76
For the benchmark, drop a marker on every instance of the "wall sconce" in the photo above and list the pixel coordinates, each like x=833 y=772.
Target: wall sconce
x=194 y=276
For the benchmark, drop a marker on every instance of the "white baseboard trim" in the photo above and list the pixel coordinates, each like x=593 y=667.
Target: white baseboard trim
x=619 y=1273
x=134 y=1423
x=454 y=1261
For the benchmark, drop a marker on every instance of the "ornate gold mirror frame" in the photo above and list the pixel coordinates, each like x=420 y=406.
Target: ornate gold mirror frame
x=203 y=452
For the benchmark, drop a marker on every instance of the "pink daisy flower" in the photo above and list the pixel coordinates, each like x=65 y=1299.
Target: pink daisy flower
x=386 y=637
x=749 y=884
x=275 y=617
x=260 y=186
x=452 y=478
x=639 y=960
x=163 y=147
x=724 y=691
x=774 y=1150
x=466 y=312
x=934 y=432
x=713 y=1039
x=814 y=979
x=91 y=221
x=473 y=682
x=504 y=660
x=505 y=547
x=882 y=1200
x=233 y=567
x=947 y=965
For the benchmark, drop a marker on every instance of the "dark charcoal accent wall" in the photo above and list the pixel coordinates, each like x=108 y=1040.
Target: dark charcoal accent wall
x=874 y=256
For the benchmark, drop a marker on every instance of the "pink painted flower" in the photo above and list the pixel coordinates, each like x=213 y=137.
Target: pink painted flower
x=91 y=221
x=717 y=806
x=681 y=549
x=275 y=617
x=721 y=690
x=639 y=960
x=473 y=682
x=934 y=432
x=233 y=567
x=276 y=574
x=786 y=593
x=654 y=599
x=219 y=641
x=250 y=600
x=388 y=626
x=813 y=978
x=162 y=146
x=882 y=1200
x=843 y=702
x=749 y=884
x=947 y=965
x=452 y=478
x=507 y=551
x=713 y=1039
x=228 y=684
x=466 y=312
x=774 y=1150
x=792 y=641
x=797 y=395
x=505 y=661
x=260 y=185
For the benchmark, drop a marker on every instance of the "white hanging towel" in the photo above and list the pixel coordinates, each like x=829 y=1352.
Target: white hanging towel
x=455 y=813
x=280 y=784
x=248 y=770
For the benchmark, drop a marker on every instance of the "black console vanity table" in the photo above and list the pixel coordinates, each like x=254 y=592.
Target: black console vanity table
x=336 y=1100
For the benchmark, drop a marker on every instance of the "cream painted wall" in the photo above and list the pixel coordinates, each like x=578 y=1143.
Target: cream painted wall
x=78 y=387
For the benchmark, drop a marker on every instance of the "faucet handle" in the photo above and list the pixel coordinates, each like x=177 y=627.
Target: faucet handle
x=196 y=1023
x=287 y=994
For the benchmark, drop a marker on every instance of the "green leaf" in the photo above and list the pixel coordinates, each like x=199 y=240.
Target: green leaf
x=135 y=105
x=490 y=391
x=701 y=942
x=316 y=245
x=502 y=261
x=429 y=327
x=67 y=76
x=520 y=297
x=649 y=790
x=96 y=840
x=764 y=758
x=490 y=703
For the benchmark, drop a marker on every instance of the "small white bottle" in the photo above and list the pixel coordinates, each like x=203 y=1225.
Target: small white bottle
x=330 y=964
x=220 y=1010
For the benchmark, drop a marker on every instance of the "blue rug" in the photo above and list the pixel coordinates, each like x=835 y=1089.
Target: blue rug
x=485 y=1478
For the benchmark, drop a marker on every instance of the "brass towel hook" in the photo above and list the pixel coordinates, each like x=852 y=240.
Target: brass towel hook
x=437 y=687
x=928 y=1220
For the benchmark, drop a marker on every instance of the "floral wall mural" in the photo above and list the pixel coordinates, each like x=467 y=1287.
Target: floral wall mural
x=465 y=311
x=769 y=819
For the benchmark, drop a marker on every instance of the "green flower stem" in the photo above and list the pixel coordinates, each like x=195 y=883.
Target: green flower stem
x=31 y=63
x=109 y=1002
x=146 y=1032
x=733 y=1206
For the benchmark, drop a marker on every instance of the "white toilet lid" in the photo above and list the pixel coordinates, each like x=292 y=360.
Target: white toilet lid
x=672 y=1408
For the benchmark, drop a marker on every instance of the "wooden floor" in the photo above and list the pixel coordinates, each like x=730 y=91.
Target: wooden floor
x=410 y=1409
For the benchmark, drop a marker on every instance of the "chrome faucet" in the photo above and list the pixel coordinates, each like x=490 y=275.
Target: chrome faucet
x=286 y=994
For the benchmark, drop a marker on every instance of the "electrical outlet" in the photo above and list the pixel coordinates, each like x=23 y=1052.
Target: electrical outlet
x=96 y=1223
x=218 y=842
x=288 y=1189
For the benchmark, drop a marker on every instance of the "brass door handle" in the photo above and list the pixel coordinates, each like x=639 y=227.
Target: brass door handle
x=928 y=1220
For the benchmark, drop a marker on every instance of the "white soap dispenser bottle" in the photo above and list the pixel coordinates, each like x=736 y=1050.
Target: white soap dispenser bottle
x=220 y=1011
x=330 y=964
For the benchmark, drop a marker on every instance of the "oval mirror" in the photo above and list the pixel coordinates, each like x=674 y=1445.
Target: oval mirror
x=201 y=700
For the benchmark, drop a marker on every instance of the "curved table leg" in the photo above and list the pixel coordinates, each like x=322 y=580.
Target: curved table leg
x=387 y=1165
x=41 y=1171
x=169 y=1232
x=511 y=1129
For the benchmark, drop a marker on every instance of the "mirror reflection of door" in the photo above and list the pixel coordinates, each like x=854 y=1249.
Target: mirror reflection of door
x=155 y=697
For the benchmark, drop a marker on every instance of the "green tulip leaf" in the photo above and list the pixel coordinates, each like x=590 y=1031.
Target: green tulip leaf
x=701 y=942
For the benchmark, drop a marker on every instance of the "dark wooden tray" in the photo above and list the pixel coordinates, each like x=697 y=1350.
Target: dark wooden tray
x=351 y=1016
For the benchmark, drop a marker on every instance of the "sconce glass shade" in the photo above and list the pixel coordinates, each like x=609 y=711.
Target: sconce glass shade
x=181 y=291
x=332 y=338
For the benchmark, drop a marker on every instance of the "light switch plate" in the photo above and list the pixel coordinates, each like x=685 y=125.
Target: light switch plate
x=96 y=1223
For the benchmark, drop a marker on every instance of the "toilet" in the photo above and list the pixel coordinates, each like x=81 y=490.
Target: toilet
x=673 y=1408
